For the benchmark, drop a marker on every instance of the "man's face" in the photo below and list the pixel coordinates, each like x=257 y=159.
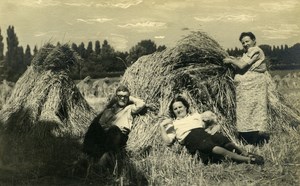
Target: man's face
x=122 y=98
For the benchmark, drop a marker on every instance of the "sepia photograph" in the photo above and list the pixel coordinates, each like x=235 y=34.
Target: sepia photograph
x=149 y=92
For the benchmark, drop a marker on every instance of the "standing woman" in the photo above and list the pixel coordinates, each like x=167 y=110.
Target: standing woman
x=251 y=91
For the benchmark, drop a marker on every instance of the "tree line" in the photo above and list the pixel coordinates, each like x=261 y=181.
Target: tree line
x=102 y=60
x=98 y=60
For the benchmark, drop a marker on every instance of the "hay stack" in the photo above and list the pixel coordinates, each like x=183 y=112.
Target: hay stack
x=85 y=86
x=193 y=68
x=194 y=65
x=46 y=110
x=45 y=92
x=5 y=92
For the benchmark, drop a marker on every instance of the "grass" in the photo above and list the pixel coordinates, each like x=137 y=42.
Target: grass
x=283 y=73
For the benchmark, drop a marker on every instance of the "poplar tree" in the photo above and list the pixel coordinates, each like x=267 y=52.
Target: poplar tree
x=1 y=46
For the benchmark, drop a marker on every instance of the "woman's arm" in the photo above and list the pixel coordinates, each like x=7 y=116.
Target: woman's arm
x=210 y=120
x=239 y=63
x=168 y=139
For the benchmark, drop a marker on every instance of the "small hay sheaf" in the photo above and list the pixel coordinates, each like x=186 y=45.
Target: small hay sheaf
x=49 y=95
x=45 y=102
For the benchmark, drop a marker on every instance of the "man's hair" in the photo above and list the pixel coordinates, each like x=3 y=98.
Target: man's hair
x=244 y=34
x=122 y=88
x=178 y=99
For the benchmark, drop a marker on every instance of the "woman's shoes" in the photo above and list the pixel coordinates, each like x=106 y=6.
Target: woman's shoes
x=256 y=159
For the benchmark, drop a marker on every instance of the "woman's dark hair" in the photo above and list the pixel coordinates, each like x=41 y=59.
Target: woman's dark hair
x=244 y=34
x=178 y=99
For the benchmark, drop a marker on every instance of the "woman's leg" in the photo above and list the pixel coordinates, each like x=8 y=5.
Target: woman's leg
x=234 y=148
x=223 y=141
x=226 y=153
x=253 y=158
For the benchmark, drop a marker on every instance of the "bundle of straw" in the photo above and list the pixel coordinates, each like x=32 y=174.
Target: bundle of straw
x=45 y=103
x=5 y=92
x=49 y=94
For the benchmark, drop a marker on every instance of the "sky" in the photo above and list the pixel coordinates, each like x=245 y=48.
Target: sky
x=123 y=23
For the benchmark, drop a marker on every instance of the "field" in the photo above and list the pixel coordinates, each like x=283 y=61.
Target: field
x=173 y=166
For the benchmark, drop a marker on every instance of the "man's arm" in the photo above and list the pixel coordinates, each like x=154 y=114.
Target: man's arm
x=139 y=104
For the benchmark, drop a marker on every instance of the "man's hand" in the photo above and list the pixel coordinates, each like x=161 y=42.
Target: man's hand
x=151 y=106
x=125 y=130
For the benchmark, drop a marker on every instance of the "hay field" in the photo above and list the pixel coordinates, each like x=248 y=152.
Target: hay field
x=169 y=166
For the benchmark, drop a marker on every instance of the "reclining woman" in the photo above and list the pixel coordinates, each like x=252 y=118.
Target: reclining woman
x=201 y=135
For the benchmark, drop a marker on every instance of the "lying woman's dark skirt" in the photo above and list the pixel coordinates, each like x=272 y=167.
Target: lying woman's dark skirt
x=200 y=142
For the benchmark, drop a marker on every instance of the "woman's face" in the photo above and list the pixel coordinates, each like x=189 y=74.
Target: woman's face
x=247 y=42
x=179 y=109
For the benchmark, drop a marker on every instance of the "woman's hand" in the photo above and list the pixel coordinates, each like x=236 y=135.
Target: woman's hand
x=213 y=129
x=228 y=60
x=163 y=122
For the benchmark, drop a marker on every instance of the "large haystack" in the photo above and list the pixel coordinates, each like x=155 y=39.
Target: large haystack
x=193 y=68
x=46 y=114
x=194 y=65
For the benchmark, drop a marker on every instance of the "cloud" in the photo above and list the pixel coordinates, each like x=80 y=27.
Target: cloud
x=159 y=37
x=80 y=4
x=40 y=3
x=172 y=5
x=145 y=26
x=124 y=4
x=40 y=34
x=283 y=31
x=119 y=41
x=227 y=18
x=119 y=3
x=279 y=6
x=92 y=21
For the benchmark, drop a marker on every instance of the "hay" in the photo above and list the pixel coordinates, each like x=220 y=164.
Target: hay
x=85 y=86
x=45 y=104
x=5 y=92
x=193 y=68
x=194 y=65
x=49 y=95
